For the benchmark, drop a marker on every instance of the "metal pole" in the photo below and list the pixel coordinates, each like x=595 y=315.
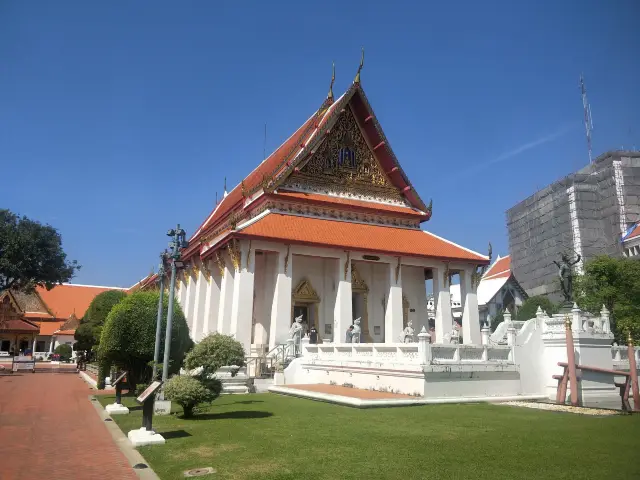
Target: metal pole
x=156 y=351
x=167 y=336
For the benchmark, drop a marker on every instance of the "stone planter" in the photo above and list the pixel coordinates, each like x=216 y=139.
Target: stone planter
x=278 y=378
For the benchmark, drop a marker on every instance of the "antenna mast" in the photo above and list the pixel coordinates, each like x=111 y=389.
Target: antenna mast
x=588 y=122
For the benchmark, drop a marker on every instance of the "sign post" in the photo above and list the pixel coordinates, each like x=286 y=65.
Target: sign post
x=23 y=363
x=117 y=408
x=145 y=435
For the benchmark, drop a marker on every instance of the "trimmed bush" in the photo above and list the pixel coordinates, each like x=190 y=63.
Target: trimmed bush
x=212 y=352
x=187 y=392
x=128 y=336
x=104 y=367
x=64 y=351
x=88 y=332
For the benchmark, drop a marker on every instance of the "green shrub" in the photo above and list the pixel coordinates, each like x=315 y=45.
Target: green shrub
x=129 y=334
x=88 y=332
x=188 y=392
x=529 y=307
x=141 y=387
x=212 y=352
x=64 y=351
x=104 y=367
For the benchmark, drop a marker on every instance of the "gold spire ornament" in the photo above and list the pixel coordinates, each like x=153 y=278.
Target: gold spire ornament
x=333 y=79
x=357 y=79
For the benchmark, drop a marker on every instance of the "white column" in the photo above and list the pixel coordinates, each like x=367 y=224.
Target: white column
x=242 y=307
x=470 y=313
x=33 y=350
x=200 y=284
x=190 y=299
x=226 y=295
x=343 y=309
x=281 y=304
x=393 y=313
x=211 y=299
x=442 y=298
x=52 y=345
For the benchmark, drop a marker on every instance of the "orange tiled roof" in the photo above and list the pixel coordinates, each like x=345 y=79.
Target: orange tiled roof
x=63 y=300
x=357 y=236
x=634 y=233
x=331 y=200
x=48 y=328
x=65 y=332
x=501 y=268
x=18 y=325
x=38 y=315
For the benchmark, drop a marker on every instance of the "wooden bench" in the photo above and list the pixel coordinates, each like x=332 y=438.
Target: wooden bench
x=563 y=381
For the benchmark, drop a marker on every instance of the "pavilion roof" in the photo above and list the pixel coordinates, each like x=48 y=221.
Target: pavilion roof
x=18 y=325
x=49 y=328
x=67 y=299
x=357 y=236
x=275 y=169
x=501 y=268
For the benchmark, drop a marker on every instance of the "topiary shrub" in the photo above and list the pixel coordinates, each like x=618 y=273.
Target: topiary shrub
x=64 y=351
x=212 y=352
x=88 y=332
x=128 y=336
x=187 y=392
x=104 y=367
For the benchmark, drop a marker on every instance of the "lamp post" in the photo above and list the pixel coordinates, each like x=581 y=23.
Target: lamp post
x=156 y=351
x=178 y=241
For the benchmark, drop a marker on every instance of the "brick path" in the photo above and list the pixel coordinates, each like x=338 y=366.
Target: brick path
x=49 y=429
x=350 y=392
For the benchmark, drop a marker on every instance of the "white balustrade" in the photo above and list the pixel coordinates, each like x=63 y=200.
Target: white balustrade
x=410 y=353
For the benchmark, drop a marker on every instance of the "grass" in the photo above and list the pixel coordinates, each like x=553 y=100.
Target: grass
x=264 y=436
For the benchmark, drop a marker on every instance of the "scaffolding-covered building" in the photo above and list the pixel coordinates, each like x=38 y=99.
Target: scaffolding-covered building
x=585 y=213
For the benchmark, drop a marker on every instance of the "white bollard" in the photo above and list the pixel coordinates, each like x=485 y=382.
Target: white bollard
x=424 y=347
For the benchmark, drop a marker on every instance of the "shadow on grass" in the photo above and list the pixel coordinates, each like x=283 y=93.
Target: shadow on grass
x=175 y=434
x=135 y=408
x=247 y=402
x=240 y=414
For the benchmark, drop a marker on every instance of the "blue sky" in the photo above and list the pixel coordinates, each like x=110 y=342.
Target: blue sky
x=120 y=119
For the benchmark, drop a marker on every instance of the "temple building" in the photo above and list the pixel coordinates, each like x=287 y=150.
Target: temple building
x=328 y=227
x=42 y=320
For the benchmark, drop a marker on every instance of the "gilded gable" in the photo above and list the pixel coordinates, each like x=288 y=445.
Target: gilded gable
x=344 y=164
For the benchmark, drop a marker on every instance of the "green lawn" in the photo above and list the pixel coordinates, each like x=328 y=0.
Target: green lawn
x=264 y=436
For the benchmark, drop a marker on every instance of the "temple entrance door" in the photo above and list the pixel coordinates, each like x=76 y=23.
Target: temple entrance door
x=305 y=302
x=359 y=303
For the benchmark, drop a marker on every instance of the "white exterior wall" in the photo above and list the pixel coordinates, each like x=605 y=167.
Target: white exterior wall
x=200 y=292
x=375 y=276
x=264 y=285
x=211 y=301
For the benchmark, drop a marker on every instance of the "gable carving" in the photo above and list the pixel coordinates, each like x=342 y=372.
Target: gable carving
x=304 y=292
x=343 y=163
x=357 y=283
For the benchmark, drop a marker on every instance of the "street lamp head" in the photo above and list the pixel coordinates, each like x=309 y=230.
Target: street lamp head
x=171 y=233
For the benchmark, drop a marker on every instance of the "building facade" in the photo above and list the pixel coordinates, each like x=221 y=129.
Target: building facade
x=584 y=214
x=326 y=228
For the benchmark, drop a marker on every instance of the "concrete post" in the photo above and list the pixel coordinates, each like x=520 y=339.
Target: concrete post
x=576 y=323
x=507 y=318
x=343 y=309
x=633 y=369
x=571 y=361
x=470 y=312
x=424 y=347
x=511 y=340
x=393 y=313
x=242 y=308
x=442 y=299
x=281 y=305
x=484 y=334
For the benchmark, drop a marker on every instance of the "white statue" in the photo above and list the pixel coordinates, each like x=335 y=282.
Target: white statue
x=355 y=333
x=295 y=332
x=408 y=333
x=452 y=337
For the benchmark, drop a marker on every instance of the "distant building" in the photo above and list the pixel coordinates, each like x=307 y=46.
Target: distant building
x=586 y=213
x=498 y=290
x=44 y=319
x=631 y=241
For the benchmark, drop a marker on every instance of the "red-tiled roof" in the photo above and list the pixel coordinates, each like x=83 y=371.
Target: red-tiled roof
x=65 y=332
x=501 y=268
x=37 y=315
x=48 y=328
x=331 y=200
x=63 y=300
x=633 y=233
x=357 y=236
x=18 y=325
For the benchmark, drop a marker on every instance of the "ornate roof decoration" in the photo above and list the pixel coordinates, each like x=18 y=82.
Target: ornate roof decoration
x=357 y=79
x=304 y=292
x=333 y=79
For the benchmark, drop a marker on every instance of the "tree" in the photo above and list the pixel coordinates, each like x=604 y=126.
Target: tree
x=88 y=332
x=529 y=307
x=614 y=283
x=212 y=352
x=31 y=255
x=188 y=392
x=128 y=336
x=64 y=351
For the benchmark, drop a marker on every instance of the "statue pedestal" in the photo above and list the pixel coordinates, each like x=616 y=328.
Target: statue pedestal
x=565 y=308
x=116 y=409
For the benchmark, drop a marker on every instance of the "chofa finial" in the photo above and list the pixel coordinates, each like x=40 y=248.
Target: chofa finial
x=357 y=79
x=333 y=79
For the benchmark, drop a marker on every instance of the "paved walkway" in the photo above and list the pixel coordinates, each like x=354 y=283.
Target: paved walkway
x=350 y=392
x=49 y=429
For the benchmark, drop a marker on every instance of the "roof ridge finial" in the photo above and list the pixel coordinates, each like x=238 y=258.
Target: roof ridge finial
x=225 y=188
x=333 y=79
x=357 y=79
